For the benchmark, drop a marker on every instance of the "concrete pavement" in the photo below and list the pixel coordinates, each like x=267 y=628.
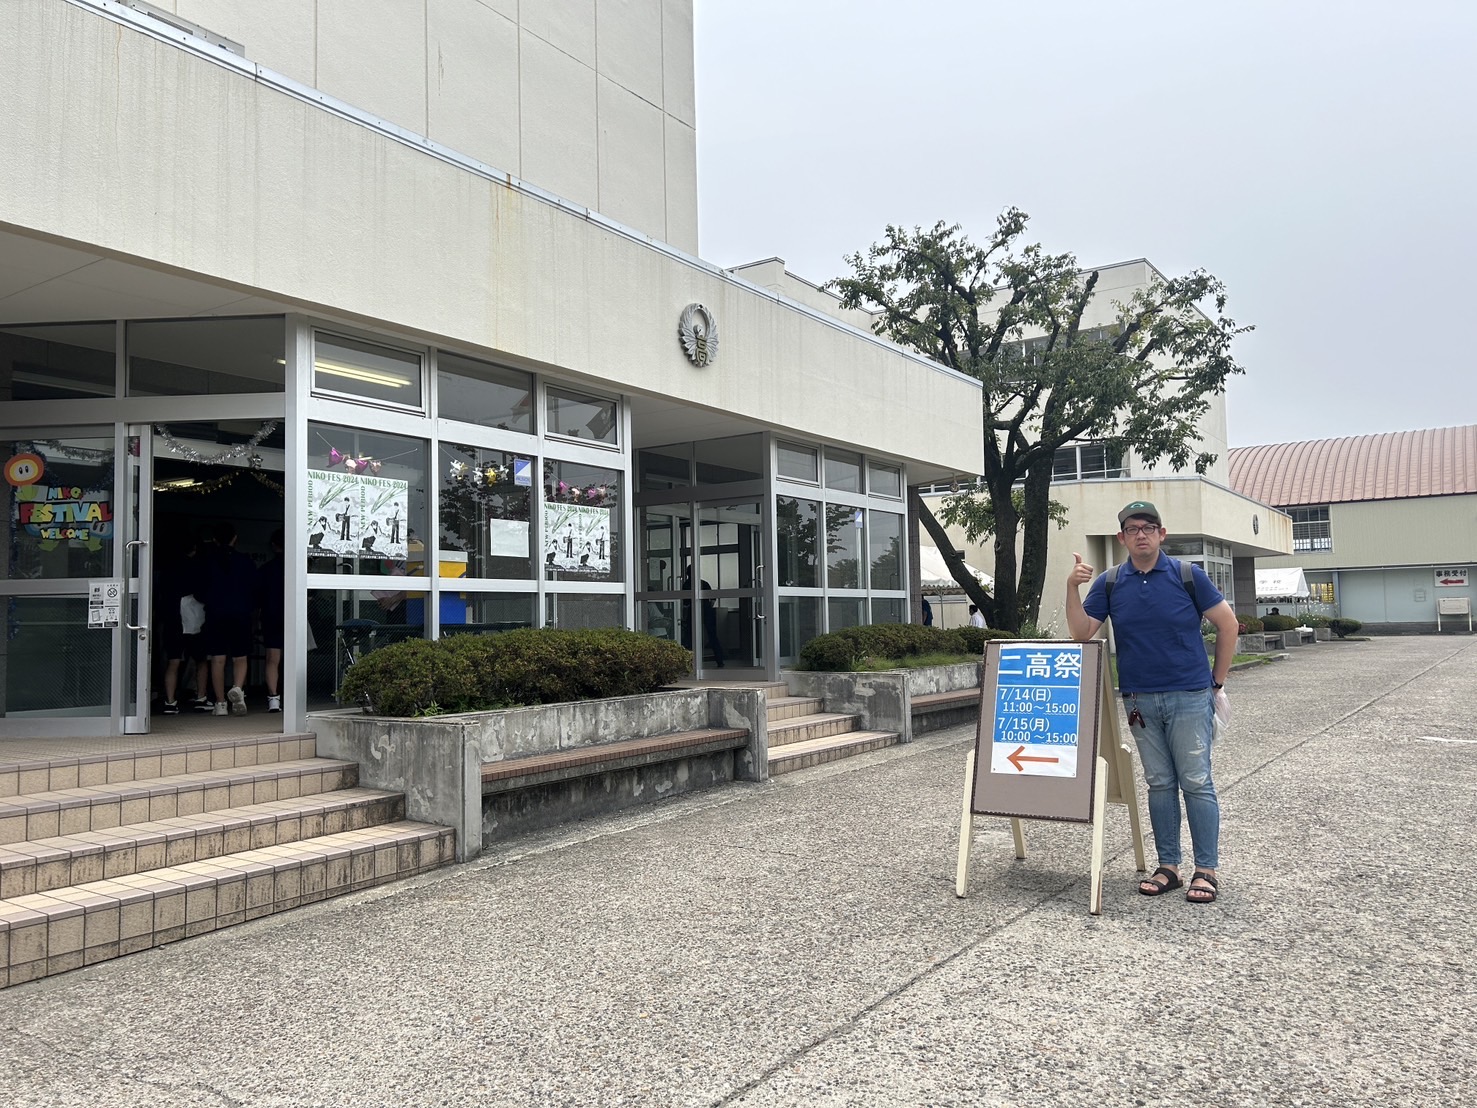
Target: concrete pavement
x=800 y=943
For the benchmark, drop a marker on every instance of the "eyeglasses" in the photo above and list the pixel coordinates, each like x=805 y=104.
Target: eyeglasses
x=1134 y=531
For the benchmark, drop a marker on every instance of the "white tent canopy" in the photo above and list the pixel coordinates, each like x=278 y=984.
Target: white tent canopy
x=1281 y=584
x=935 y=574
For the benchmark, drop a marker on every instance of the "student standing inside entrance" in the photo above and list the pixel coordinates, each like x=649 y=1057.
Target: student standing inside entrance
x=1169 y=687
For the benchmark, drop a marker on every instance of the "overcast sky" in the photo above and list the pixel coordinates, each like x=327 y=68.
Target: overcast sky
x=1318 y=157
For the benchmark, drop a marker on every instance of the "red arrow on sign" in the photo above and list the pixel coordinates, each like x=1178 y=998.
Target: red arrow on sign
x=1017 y=757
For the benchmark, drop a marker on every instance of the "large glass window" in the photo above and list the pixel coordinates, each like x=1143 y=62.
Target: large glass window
x=582 y=611
x=53 y=663
x=195 y=357
x=845 y=612
x=843 y=546
x=1310 y=529
x=800 y=621
x=58 y=361
x=366 y=502
x=581 y=522
x=888 y=610
x=496 y=611
x=1086 y=461
x=885 y=550
x=485 y=394
x=486 y=513
x=59 y=497
x=798 y=534
x=577 y=416
x=344 y=626
x=366 y=371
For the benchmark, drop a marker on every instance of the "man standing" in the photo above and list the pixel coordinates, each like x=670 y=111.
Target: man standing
x=1169 y=688
x=976 y=617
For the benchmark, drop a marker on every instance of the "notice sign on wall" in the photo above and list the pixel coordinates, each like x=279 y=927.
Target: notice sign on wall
x=1038 y=702
x=1454 y=577
x=1036 y=751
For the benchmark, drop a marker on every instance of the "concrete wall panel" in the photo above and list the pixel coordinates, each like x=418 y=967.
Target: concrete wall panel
x=372 y=53
x=473 y=102
x=560 y=143
x=678 y=81
x=632 y=158
x=566 y=25
x=278 y=34
x=681 y=185
x=628 y=43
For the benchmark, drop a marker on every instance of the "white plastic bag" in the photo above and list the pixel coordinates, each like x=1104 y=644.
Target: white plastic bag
x=191 y=615
x=1222 y=712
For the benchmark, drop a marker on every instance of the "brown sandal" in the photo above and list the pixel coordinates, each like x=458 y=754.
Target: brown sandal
x=1202 y=896
x=1149 y=887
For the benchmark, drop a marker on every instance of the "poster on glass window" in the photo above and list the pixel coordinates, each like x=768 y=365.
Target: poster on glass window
x=357 y=515
x=577 y=538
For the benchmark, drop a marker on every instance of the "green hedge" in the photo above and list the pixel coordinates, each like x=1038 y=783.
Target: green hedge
x=1342 y=627
x=1250 y=625
x=846 y=650
x=530 y=666
x=1278 y=622
x=1315 y=621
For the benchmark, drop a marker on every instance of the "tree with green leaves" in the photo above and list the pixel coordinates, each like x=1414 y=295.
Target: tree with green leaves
x=1012 y=317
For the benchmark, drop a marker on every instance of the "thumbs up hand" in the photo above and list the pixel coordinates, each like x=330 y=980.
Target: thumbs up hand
x=1080 y=574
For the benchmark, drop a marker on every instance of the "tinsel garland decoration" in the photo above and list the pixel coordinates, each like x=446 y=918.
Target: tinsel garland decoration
x=74 y=453
x=231 y=454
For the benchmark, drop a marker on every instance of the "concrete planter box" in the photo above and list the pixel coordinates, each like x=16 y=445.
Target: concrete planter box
x=437 y=762
x=1253 y=642
x=883 y=699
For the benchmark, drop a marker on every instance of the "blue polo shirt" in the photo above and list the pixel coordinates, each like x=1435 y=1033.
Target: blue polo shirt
x=1156 y=626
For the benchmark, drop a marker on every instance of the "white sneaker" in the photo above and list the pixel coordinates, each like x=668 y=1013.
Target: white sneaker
x=274 y=704
x=220 y=708
x=237 y=699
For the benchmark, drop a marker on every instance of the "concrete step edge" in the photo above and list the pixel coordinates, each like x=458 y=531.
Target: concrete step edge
x=49 y=933
x=70 y=860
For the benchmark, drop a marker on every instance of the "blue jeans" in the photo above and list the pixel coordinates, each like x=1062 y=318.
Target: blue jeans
x=1174 y=746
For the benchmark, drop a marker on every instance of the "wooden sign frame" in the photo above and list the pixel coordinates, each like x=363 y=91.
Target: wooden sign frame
x=1104 y=770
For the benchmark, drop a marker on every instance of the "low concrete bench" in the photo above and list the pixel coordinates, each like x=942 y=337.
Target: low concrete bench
x=935 y=711
x=541 y=789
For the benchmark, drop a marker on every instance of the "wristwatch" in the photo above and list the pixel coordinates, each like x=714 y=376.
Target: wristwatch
x=1217 y=685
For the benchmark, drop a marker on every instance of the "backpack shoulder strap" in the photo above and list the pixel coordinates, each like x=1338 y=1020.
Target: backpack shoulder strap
x=1110 y=578
x=1187 y=578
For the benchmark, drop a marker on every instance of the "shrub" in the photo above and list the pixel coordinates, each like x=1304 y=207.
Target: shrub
x=1278 y=623
x=845 y=650
x=1251 y=625
x=1314 y=621
x=1344 y=627
x=547 y=665
x=534 y=666
x=409 y=678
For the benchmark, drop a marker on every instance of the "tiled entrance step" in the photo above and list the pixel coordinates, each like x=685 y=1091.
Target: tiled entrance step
x=271 y=827
x=802 y=733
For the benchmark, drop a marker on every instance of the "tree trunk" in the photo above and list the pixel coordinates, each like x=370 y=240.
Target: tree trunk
x=1036 y=523
x=957 y=567
x=1007 y=608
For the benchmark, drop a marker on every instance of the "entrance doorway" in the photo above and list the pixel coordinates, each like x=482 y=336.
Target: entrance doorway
x=723 y=584
x=206 y=573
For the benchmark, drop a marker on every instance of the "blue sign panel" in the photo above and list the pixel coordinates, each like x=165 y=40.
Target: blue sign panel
x=1037 y=712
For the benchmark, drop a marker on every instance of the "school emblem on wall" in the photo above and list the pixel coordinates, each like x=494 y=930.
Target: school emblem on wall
x=699 y=333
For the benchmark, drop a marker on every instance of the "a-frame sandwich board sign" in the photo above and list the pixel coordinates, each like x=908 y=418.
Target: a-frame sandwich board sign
x=1048 y=747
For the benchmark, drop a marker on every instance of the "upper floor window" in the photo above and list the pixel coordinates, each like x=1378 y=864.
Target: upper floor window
x=582 y=417
x=366 y=371
x=798 y=463
x=1086 y=460
x=1310 y=529
x=478 y=392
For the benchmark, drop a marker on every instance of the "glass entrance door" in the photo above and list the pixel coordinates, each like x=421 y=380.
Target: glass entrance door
x=138 y=566
x=731 y=588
